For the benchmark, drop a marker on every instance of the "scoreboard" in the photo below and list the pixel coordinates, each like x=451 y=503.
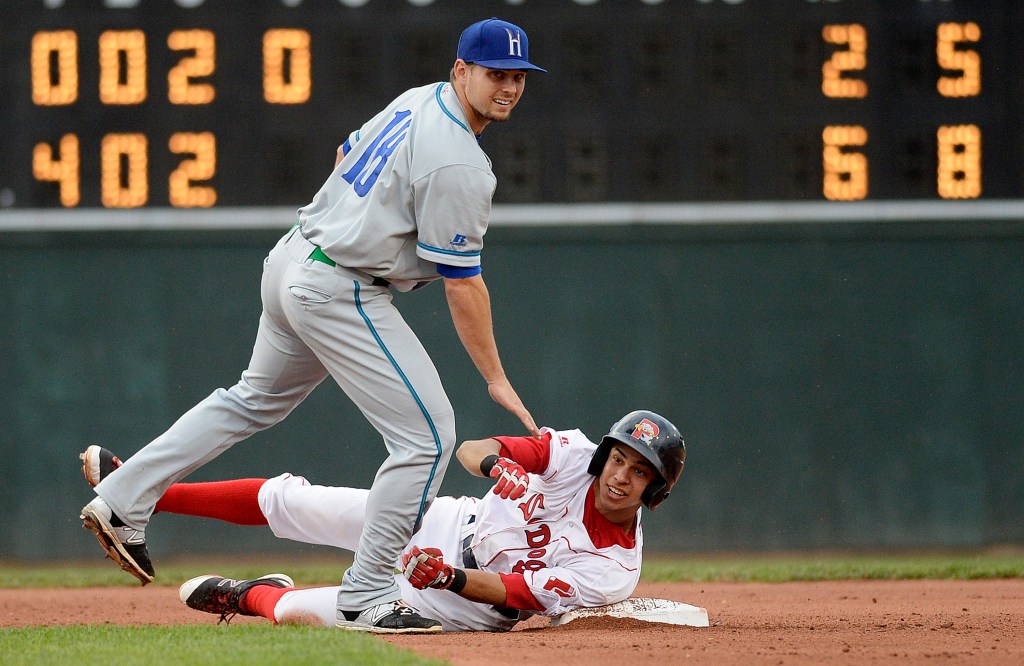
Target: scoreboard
x=202 y=103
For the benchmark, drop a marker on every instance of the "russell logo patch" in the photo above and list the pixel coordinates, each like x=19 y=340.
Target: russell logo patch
x=458 y=241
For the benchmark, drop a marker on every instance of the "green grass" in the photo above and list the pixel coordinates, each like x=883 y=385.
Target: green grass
x=293 y=645
x=208 y=644
x=657 y=568
x=832 y=566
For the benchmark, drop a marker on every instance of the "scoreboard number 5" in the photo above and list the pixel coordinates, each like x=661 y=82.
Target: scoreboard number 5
x=958 y=147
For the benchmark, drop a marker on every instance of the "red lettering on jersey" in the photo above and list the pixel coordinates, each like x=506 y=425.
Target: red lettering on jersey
x=560 y=587
x=563 y=440
x=531 y=505
x=528 y=565
x=539 y=537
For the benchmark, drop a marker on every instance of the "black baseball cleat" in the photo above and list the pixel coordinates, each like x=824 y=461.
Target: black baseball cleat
x=97 y=464
x=223 y=596
x=394 y=617
x=123 y=544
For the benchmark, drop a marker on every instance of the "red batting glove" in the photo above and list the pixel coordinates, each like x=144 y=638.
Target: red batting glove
x=424 y=568
x=512 y=479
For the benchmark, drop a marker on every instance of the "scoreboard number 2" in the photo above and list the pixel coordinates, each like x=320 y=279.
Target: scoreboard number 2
x=109 y=76
x=123 y=81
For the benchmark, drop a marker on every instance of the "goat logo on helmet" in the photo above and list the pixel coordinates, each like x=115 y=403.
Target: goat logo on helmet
x=645 y=431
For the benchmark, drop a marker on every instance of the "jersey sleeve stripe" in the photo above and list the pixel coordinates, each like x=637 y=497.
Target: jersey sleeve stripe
x=454 y=253
x=456 y=272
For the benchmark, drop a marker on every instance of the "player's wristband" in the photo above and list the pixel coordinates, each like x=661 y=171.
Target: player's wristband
x=487 y=464
x=459 y=579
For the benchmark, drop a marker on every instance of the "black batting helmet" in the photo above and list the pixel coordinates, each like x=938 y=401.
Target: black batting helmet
x=657 y=440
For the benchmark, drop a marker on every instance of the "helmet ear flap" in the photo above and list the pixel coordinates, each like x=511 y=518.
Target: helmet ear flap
x=655 y=493
x=599 y=458
x=656 y=498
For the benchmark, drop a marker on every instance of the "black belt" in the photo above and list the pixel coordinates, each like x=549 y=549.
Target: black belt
x=319 y=255
x=469 y=562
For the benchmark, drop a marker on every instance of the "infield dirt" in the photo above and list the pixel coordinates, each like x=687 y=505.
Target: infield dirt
x=856 y=622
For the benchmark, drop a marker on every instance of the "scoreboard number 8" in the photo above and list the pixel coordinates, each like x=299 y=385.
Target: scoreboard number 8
x=958 y=146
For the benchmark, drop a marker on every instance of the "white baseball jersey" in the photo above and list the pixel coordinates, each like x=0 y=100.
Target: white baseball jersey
x=552 y=548
x=413 y=190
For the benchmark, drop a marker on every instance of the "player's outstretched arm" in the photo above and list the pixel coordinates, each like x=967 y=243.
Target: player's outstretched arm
x=470 y=305
x=484 y=587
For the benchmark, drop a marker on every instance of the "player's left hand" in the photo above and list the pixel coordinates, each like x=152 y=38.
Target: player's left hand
x=501 y=392
x=512 y=479
x=424 y=567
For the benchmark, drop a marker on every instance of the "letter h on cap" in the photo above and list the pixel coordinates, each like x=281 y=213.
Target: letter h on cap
x=515 y=44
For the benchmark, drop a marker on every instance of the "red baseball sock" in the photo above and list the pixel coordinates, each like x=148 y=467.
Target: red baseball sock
x=232 y=501
x=262 y=599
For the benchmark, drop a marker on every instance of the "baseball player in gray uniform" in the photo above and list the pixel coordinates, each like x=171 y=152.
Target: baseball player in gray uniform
x=560 y=530
x=406 y=204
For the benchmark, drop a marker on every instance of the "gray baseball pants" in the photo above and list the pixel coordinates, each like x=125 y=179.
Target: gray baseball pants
x=319 y=320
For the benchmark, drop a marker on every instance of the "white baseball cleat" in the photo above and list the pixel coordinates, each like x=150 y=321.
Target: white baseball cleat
x=394 y=617
x=123 y=544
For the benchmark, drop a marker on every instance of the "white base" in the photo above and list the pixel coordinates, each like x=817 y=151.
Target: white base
x=642 y=608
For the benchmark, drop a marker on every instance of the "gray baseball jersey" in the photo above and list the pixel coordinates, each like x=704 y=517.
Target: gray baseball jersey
x=413 y=190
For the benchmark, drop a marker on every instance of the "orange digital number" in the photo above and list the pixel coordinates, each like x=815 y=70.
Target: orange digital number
x=124 y=164
x=203 y=146
x=966 y=61
x=286 y=66
x=124 y=82
x=846 y=172
x=959 y=162
x=64 y=171
x=834 y=79
x=54 y=79
x=181 y=89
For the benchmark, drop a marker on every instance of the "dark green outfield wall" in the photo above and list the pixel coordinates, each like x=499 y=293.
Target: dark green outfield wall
x=845 y=385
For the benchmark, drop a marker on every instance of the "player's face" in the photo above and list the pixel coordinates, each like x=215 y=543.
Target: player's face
x=622 y=483
x=491 y=94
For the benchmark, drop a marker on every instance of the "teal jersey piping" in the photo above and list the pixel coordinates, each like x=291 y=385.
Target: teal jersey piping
x=437 y=95
x=423 y=409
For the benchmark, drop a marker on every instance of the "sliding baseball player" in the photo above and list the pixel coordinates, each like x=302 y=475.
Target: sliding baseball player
x=559 y=531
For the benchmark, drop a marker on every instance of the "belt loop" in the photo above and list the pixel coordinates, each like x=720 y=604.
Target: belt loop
x=468 y=558
x=467 y=534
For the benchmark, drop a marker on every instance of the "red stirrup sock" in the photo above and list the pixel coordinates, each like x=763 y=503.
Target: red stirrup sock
x=232 y=501
x=262 y=600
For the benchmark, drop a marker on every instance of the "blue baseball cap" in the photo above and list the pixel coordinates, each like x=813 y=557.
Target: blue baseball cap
x=496 y=44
